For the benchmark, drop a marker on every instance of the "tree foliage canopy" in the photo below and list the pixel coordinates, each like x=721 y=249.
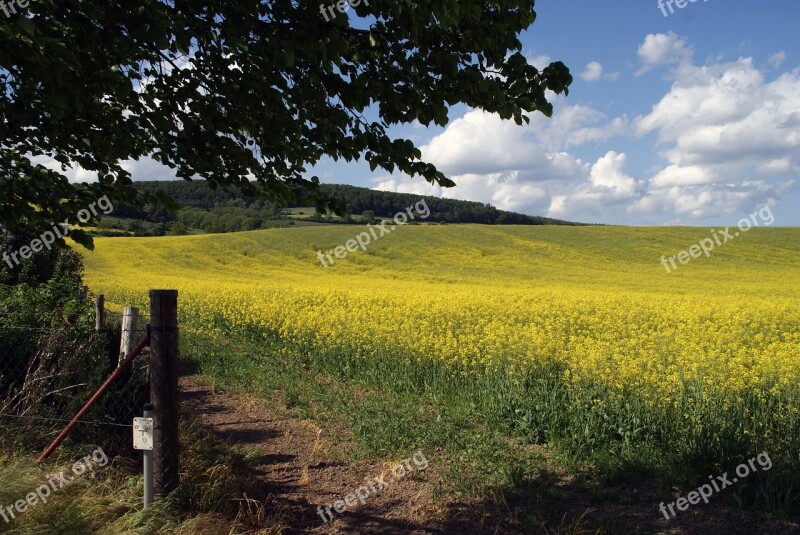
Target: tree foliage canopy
x=243 y=93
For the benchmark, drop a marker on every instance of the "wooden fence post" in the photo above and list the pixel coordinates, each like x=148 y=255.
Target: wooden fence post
x=164 y=388
x=100 y=313
x=130 y=324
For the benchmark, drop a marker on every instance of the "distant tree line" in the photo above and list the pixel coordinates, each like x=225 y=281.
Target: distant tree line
x=202 y=208
x=387 y=203
x=216 y=210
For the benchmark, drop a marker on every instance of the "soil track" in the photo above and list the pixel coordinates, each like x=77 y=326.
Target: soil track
x=298 y=477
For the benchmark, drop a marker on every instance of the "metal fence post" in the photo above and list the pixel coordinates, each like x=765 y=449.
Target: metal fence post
x=148 y=464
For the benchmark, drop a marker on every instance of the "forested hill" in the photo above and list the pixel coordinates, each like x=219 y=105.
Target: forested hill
x=386 y=204
x=207 y=210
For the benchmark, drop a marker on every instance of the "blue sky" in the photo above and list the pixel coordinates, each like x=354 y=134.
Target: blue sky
x=687 y=119
x=691 y=119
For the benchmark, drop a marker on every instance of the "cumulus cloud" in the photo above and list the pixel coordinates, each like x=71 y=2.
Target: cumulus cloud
x=404 y=184
x=663 y=49
x=728 y=138
x=594 y=72
x=728 y=117
x=777 y=59
x=142 y=169
x=707 y=201
x=539 y=61
x=506 y=191
x=517 y=167
x=483 y=143
x=608 y=186
x=512 y=167
x=731 y=139
x=147 y=168
x=572 y=126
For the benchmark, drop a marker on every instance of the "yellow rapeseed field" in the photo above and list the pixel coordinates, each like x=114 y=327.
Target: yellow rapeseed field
x=593 y=300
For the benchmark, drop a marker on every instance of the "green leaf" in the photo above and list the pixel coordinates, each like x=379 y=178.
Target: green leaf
x=27 y=25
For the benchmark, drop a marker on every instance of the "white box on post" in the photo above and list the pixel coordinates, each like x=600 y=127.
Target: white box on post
x=143 y=434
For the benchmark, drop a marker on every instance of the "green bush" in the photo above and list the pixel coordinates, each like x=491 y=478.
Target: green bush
x=52 y=359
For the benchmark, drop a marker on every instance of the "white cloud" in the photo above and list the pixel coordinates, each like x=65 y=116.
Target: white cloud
x=709 y=201
x=608 y=186
x=726 y=123
x=777 y=59
x=512 y=167
x=607 y=173
x=594 y=72
x=674 y=175
x=147 y=168
x=506 y=191
x=728 y=136
x=573 y=126
x=519 y=168
x=731 y=137
x=479 y=142
x=143 y=169
x=660 y=49
x=539 y=61
x=417 y=186
x=482 y=143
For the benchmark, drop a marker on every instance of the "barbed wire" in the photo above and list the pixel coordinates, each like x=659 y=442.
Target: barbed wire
x=107 y=313
x=28 y=328
x=28 y=314
x=91 y=422
x=62 y=329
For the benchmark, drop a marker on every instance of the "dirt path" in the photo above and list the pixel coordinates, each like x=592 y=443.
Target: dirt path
x=298 y=479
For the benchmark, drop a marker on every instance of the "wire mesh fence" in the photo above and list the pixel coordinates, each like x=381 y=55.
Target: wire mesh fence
x=50 y=365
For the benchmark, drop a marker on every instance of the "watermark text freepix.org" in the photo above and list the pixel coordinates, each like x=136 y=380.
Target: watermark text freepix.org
x=48 y=238
x=706 y=245
x=341 y=5
x=54 y=482
x=8 y=7
x=364 y=239
x=663 y=5
x=717 y=484
x=374 y=486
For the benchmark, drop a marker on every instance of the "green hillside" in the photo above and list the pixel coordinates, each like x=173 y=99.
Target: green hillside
x=213 y=210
